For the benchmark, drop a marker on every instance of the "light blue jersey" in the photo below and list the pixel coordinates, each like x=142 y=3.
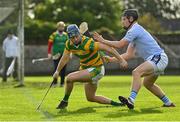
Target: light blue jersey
x=143 y=42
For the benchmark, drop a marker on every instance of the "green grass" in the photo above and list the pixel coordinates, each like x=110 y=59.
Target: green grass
x=21 y=103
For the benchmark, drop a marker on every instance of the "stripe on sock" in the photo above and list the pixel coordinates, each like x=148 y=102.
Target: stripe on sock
x=133 y=95
x=165 y=99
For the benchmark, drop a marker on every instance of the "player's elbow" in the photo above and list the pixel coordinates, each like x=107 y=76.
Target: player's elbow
x=130 y=56
x=121 y=44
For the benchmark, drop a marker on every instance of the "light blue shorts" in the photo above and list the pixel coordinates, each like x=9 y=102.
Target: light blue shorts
x=159 y=62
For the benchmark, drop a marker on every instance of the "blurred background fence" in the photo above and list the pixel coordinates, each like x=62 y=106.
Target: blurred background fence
x=46 y=67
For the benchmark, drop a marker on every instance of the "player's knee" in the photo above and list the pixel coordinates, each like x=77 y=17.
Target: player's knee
x=135 y=73
x=147 y=85
x=69 y=78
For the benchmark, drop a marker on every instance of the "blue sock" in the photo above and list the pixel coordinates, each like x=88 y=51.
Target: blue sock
x=133 y=95
x=165 y=100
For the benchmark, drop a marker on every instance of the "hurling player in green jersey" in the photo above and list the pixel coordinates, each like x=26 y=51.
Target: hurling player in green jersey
x=56 y=43
x=91 y=66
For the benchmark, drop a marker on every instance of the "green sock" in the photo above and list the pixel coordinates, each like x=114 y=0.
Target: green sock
x=66 y=97
x=115 y=103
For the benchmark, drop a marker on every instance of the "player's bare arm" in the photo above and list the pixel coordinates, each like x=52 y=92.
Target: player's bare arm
x=130 y=53
x=112 y=51
x=116 y=44
x=108 y=59
x=64 y=60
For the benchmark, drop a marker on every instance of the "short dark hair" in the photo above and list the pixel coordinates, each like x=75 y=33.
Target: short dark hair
x=131 y=13
x=10 y=32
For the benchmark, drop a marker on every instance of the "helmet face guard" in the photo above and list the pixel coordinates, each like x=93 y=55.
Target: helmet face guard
x=73 y=33
x=73 y=30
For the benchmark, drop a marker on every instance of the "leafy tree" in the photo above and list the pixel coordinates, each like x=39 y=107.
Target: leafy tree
x=150 y=23
x=97 y=13
x=157 y=8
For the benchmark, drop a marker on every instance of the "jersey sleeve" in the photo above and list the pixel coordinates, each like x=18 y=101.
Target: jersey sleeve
x=131 y=35
x=50 y=42
x=51 y=37
x=96 y=46
x=49 y=46
x=92 y=45
x=67 y=45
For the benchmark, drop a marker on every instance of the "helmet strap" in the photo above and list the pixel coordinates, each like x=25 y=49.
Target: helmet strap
x=126 y=28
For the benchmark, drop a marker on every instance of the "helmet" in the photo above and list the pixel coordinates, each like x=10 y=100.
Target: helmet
x=73 y=30
x=131 y=13
x=60 y=24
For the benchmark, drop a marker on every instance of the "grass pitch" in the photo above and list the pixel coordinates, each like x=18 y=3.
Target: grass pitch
x=21 y=103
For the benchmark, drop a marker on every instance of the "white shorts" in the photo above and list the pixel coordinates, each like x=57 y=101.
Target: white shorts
x=96 y=73
x=159 y=62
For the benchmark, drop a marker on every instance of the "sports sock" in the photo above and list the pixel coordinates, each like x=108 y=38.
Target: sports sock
x=165 y=100
x=133 y=96
x=66 y=97
x=115 y=103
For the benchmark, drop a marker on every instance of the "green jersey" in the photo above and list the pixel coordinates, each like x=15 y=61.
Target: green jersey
x=58 y=41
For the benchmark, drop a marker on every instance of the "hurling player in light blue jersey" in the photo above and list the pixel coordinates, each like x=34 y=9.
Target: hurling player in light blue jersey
x=141 y=42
